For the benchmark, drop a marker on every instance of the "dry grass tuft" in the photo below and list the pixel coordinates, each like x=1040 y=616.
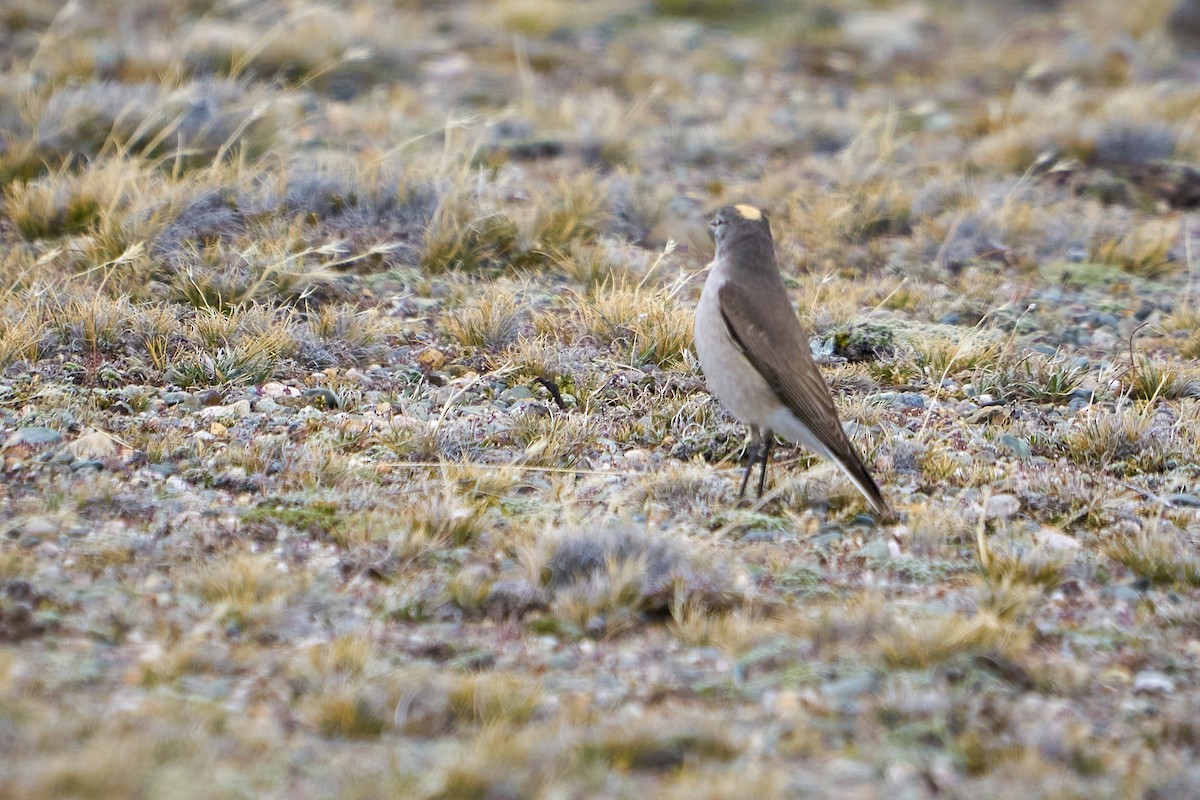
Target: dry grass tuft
x=1156 y=555
x=495 y=698
x=491 y=322
x=646 y=325
x=923 y=643
x=601 y=583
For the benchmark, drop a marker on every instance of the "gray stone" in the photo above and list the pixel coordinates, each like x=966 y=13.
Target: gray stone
x=1016 y=445
x=1122 y=593
x=517 y=393
x=877 y=549
x=899 y=399
x=1002 y=506
x=1151 y=681
x=1054 y=540
x=32 y=437
x=760 y=535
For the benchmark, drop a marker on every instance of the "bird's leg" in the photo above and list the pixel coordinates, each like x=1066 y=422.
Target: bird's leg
x=767 y=443
x=751 y=457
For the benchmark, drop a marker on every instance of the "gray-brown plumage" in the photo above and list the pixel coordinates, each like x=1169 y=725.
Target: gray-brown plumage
x=756 y=357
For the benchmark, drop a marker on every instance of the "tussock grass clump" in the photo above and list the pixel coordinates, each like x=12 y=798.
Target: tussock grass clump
x=241 y=580
x=469 y=231
x=647 y=323
x=939 y=357
x=490 y=322
x=1103 y=439
x=186 y=127
x=922 y=643
x=463 y=236
x=20 y=336
x=1030 y=376
x=340 y=55
x=247 y=593
x=572 y=212
x=588 y=263
x=14 y=564
x=1152 y=380
x=433 y=519
x=662 y=747
x=1036 y=566
x=604 y=582
x=344 y=333
x=251 y=343
x=224 y=276
x=347 y=713
x=552 y=440
x=47 y=209
x=735 y=632
x=241 y=364
x=1063 y=496
x=495 y=697
x=1146 y=249
x=1157 y=555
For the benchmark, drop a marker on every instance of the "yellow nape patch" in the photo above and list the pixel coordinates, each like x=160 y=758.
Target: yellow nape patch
x=748 y=212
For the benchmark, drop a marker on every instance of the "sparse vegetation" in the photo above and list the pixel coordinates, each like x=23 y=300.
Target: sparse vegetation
x=348 y=403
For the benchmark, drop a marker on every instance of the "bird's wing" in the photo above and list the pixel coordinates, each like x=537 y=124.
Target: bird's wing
x=782 y=357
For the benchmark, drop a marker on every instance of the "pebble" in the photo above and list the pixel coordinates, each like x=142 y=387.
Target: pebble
x=323 y=397
x=175 y=398
x=1002 y=506
x=1016 y=445
x=210 y=397
x=517 y=393
x=827 y=538
x=877 y=549
x=1054 y=540
x=756 y=535
x=785 y=703
x=236 y=410
x=1104 y=340
x=1151 y=681
x=1121 y=592
x=38 y=527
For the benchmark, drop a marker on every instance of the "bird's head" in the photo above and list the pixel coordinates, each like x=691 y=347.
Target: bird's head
x=733 y=224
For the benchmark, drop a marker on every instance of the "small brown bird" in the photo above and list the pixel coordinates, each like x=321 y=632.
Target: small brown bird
x=756 y=357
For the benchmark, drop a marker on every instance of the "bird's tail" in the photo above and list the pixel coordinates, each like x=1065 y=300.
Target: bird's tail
x=852 y=465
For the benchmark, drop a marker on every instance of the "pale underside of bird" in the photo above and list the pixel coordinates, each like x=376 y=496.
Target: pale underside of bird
x=756 y=357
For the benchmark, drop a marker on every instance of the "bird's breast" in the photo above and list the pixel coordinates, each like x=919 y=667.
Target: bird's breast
x=729 y=374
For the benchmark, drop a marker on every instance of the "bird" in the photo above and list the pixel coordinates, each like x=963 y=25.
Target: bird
x=755 y=355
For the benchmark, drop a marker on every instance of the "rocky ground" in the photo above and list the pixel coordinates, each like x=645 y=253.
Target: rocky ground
x=353 y=444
